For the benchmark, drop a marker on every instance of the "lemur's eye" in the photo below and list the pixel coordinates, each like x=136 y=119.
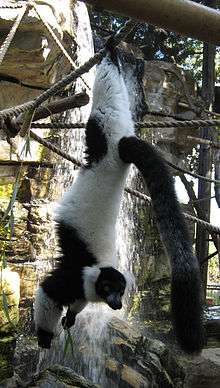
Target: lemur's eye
x=106 y=288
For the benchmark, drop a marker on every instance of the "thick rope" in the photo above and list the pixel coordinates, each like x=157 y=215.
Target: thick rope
x=204 y=178
x=11 y=6
x=178 y=124
x=58 y=125
x=5 y=45
x=204 y=224
x=55 y=149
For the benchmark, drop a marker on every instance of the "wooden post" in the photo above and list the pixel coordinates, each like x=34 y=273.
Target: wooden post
x=181 y=16
x=205 y=155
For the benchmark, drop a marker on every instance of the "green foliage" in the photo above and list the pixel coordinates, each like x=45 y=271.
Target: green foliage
x=68 y=343
x=214 y=275
x=5 y=190
x=156 y=43
x=7 y=225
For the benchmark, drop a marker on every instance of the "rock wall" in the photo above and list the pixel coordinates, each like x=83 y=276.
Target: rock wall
x=32 y=63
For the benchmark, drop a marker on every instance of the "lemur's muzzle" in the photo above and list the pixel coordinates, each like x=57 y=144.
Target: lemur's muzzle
x=114 y=301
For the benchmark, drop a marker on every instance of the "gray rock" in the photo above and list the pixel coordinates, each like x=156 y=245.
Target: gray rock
x=61 y=377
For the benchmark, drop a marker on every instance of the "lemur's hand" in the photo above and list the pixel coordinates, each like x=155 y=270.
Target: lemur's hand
x=44 y=338
x=113 y=51
x=69 y=320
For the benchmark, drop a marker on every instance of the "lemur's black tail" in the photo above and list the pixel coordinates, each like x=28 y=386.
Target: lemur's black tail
x=186 y=301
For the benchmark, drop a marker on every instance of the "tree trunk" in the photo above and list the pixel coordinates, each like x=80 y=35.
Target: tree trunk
x=205 y=154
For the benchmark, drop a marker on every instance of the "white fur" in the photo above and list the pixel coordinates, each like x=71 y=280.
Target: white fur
x=90 y=276
x=46 y=312
x=92 y=203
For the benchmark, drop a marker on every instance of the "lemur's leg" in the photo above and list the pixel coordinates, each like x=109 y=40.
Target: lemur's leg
x=73 y=309
x=47 y=314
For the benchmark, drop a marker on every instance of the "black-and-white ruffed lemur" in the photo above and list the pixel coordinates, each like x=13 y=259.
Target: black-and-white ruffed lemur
x=87 y=268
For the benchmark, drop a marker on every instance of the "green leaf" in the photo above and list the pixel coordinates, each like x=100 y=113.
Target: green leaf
x=5 y=306
x=4 y=261
x=11 y=223
x=27 y=120
x=68 y=343
x=26 y=150
x=13 y=197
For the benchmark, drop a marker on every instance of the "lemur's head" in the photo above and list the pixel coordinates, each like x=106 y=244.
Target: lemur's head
x=110 y=287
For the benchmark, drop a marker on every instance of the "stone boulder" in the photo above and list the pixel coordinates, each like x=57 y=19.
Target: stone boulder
x=203 y=371
x=138 y=361
x=61 y=377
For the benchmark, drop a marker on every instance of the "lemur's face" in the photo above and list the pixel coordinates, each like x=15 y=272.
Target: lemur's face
x=110 y=287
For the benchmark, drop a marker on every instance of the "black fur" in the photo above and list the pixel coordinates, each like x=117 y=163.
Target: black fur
x=44 y=338
x=96 y=143
x=186 y=301
x=65 y=284
x=69 y=320
x=110 y=286
x=115 y=279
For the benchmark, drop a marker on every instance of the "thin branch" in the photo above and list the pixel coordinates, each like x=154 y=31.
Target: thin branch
x=197 y=207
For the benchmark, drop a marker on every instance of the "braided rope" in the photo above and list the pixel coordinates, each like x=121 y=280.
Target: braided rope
x=55 y=149
x=202 y=177
x=11 y=6
x=57 y=41
x=58 y=125
x=178 y=124
x=9 y=112
x=204 y=224
x=5 y=45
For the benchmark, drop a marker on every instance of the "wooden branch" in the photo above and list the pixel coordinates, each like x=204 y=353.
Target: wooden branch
x=209 y=257
x=199 y=140
x=61 y=105
x=200 y=213
x=181 y=16
x=26 y=163
x=43 y=111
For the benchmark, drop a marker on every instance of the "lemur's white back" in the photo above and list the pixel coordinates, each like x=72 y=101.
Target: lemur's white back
x=92 y=204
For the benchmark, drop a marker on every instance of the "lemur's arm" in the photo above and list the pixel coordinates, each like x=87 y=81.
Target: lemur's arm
x=72 y=311
x=47 y=314
x=186 y=301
